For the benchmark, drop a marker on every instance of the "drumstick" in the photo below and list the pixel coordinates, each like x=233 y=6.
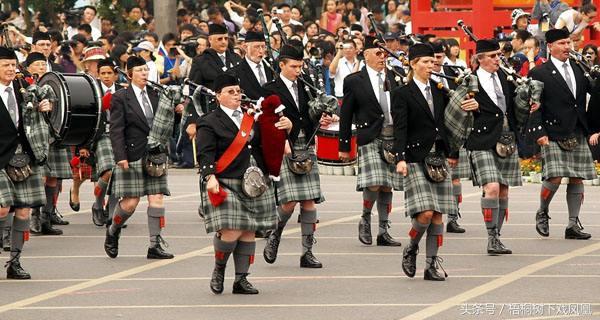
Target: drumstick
x=194 y=151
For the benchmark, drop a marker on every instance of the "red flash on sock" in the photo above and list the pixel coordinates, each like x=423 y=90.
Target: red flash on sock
x=117 y=219
x=55 y=199
x=26 y=235
x=459 y=199
x=487 y=215
x=506 y=214
x=251 y=259
x=97 y=191
x=413 y=233
x=162 y=222
x=389 y=208
x=440 y=240
x=314 y=227
x=545 y=193
x=219 y=255
x=368 y=204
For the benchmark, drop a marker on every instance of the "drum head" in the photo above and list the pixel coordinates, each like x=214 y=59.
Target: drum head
x=75 y=115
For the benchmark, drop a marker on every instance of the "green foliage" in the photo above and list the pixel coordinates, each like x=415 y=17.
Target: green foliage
x=49 y=9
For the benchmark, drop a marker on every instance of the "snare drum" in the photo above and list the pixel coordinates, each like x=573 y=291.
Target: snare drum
x=75 y=116
x=327 y=145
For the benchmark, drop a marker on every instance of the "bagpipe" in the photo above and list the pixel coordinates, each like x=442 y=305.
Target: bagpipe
x=591 y=72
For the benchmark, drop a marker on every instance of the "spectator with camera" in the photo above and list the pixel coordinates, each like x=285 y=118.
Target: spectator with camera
x=344 y=63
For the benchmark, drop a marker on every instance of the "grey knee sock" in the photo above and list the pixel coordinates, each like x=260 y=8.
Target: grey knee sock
x=283 y=218
x=384 y=207
x=243 y=257
x=435 y=239
x=20 y=234
x=417 y=231
x=308 y=219
x=51 y=192
x=502 y=212
x=113 y=202
x=548 y=191
x=457 y=193
x=574 y=201
x=119 y=219
x=156 y=221
x=3 y=224
x=223 y=250
x=369 y=198
x=100 y=193
x=489 y=208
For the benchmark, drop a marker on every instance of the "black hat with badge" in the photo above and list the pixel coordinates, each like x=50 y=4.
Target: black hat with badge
x=371 y=43
x=486 y=45
x=33 y=57
x=556 y=34
x=135 y=61
x=224 y=80
x=290 y=52
x=252 y=36
x=215 y=28
x=420 y=50
x=6 y=53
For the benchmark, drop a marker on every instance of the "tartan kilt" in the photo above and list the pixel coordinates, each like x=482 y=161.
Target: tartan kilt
x=103 y=153
x=134 y=182
x=58 y=164
x=25 y=194
x=489 y=167
x=421 y=194
x=83 y=171
x=374 y=171
x=463 y=170
x=293 y=187
x=238 y=211
x=578 y=163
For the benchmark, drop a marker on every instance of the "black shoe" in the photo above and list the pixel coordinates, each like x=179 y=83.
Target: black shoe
x=157 y=251
x=48 y=230
x=35 y=223
x=243 y=286
x=386 y=240
x=14 y=269
x=218 y=277
x=453 y=227
x=432 y=273
x=111 y=243
x=575 y=232
x=57 y=219
x=272 y=246
x=503 y=249
x=364 y=232
x=98 y=217
x=74 y=205
x=541 y=223
x=409 y=260
x=494 y=245
x=308 y=260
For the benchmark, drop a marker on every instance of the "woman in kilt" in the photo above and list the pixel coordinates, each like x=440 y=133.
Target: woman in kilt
x=132 y=114
x=17 y=194
x=418 y=113
x=239 y=216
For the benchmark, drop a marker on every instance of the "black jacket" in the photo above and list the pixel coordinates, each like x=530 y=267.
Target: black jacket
x=449 y=71
x=216 y=132
x=415 y=127
x=489 y=119
x=129 y=128
x=360 y=106
x=248 y=81
x=560 y=114
x=11 y=136
x=300 y=118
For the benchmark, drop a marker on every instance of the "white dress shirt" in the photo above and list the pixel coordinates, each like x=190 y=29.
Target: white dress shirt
x=422 y=87
x=288 y=83
x=344 y=68
x=138 y=95
x=4 y=96
x=106 y=89
x=374 y=78
x=254 y=67
x=559 y=66
x=485 y=79
x=229 y=113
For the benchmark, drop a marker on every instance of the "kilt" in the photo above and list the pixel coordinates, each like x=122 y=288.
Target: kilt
x=574 y=164
x=293 y=187
x=463 y=170
x=489 y=167
x=421 y=194
x=103 y=153
x=374 y=171
x=83 y=171
x=25 y=194
x=58 y=164
x=134 y=182
x=238 y=211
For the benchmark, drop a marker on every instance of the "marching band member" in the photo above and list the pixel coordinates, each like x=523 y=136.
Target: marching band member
x=367 y=103
x=21 y=187
x=131 y=119
x=560 y=128
x=252 y=71
x=241 y=214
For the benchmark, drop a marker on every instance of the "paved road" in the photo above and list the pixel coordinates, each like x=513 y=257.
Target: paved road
x=546 y=278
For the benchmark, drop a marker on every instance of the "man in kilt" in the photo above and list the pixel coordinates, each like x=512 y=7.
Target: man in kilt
x=131 y=119
x=493 y=171
x=296 y=188
x=17 y=194
x=240 y=215
x=560 y=128
x=367 y=104
x=419 y=132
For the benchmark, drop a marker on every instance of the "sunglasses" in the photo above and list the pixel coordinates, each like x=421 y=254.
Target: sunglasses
x=381 y=54
x=493 y=55
x=233 y=91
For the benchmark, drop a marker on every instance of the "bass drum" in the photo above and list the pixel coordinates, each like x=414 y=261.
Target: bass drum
x=75 y=116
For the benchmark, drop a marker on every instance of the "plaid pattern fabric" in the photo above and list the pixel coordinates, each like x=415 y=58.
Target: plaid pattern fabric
x=421 y=194
x=463 y=170
x=164 y=117
x=24 y=194
x=37 y=132
x=526 y=92
x=374 y=171
x=293 y=187
x=134 y=182
x=574 y=164
x=58 y=164
x=458 y=122
x=83 y=171
x=489 y=167
x=238 y=211
x=105 y=160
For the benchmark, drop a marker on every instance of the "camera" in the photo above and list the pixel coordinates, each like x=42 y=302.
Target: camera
x=65 y=47
x=73 y=17
x=189 y=46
